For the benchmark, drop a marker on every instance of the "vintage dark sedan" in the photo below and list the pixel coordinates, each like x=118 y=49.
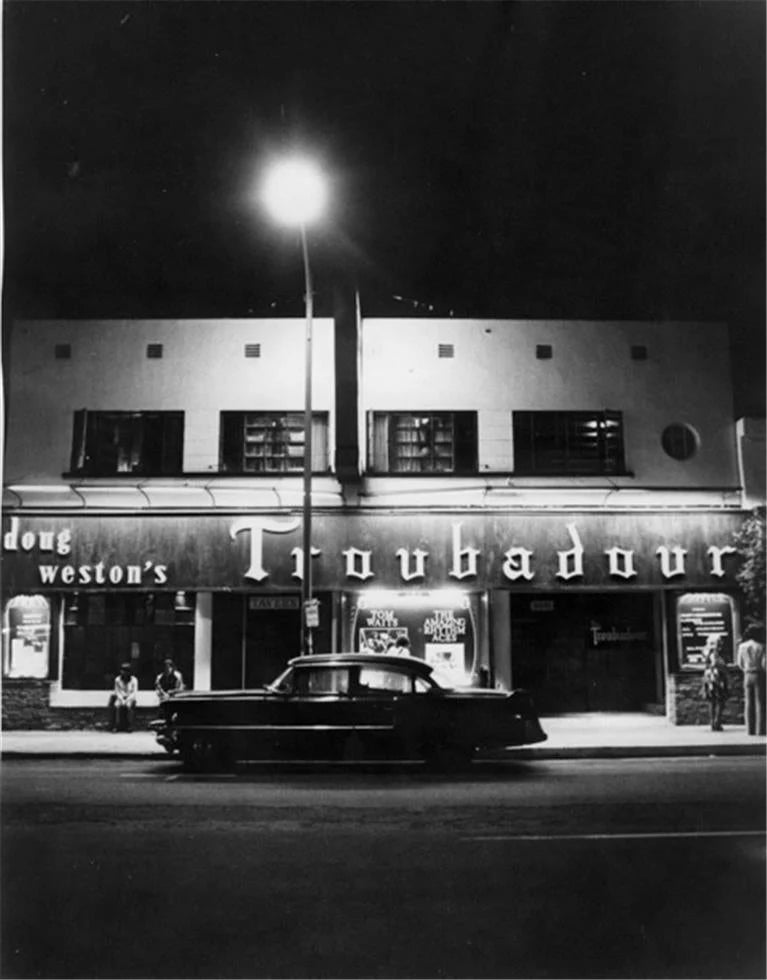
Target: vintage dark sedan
x=347 y=706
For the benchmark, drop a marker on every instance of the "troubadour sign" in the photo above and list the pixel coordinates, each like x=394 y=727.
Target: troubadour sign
x=263 y=552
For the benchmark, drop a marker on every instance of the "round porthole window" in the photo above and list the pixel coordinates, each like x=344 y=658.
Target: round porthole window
x=679 y=441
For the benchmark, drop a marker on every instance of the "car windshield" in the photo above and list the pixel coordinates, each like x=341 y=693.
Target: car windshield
x=283 y=683
x=440 y=678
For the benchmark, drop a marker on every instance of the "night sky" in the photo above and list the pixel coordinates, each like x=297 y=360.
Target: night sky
x=553 y=160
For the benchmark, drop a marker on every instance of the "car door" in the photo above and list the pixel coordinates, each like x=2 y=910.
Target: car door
x=322 y=711
x=388 y=704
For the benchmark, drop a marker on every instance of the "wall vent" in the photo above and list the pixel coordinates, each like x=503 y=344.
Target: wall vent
x=445 y=350
x=154 y=350
x=638 y=352
x=543 y=352
x=62 y=352
x=252 y=350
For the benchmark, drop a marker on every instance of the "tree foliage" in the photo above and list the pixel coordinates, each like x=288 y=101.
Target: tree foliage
x=750 y=542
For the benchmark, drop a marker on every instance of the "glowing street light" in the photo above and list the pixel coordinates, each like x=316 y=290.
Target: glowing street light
x=295 y=192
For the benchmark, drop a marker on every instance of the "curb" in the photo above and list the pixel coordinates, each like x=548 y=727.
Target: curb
x=640 y=752
x=576 y=752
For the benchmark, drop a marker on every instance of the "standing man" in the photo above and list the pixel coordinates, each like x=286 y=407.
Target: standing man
x=751 y=662
x=122 y=701
x=715 y=682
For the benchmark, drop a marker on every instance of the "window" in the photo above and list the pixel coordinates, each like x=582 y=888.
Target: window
x=679 y=441
x=544 y=352
x=435 y=442
x=141 y=443
x=322 y=680
x=384 y=680
x=580 y=443
x=271 y=442
x=101 y=630
x=26 y=636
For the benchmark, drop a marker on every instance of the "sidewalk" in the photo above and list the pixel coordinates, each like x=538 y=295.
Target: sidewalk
x=595 y=735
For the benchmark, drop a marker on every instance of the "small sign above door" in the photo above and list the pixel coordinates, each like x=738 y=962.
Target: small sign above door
x=274 y=602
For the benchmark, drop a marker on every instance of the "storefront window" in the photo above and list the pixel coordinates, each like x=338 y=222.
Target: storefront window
x=702 y=617
x=26 y=636
x=104 y=629
x=437 y=626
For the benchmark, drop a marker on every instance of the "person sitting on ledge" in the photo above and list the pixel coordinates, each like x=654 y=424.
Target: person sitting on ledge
x=166 y=682
x=122 y=701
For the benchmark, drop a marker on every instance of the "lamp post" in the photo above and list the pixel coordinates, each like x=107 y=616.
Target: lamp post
x=294 y=192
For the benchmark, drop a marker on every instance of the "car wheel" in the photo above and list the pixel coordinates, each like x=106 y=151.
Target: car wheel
x=201 y=753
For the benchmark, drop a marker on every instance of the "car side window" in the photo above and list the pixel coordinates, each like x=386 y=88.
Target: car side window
x=384 y=680
x=322 y=680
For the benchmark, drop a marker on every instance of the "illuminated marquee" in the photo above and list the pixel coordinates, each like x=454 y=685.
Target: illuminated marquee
x=518 y=561
x=417 y=550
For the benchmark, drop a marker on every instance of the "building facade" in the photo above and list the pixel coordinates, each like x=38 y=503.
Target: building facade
x=545 y=504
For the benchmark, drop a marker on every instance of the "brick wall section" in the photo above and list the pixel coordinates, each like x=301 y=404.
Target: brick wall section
x=686 y=704
x=25 y=706
x=25 y=703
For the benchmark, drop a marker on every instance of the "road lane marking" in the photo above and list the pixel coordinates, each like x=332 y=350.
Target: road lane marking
x=661 y=835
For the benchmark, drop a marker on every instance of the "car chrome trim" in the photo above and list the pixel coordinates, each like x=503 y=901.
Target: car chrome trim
x=284 y=728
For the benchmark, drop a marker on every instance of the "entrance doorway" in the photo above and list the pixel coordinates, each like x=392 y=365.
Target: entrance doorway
x=254 y=637
x=584 y=652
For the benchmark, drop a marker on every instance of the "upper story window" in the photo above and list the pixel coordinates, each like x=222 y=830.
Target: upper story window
x=568 y=443
x=423 y=442
x=271 y=442
x=679 y=441
x=142 y=443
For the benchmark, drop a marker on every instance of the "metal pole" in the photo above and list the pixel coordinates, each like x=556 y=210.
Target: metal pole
x=306 y=581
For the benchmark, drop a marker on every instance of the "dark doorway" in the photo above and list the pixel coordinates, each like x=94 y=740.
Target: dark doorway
x=272 y=637
x=584 y=652
x=254 y=637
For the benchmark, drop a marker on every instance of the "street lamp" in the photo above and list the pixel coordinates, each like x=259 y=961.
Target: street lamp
x=294 y=192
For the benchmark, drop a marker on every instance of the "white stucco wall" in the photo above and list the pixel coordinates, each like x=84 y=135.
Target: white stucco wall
x=752 y=461
x=203 y=371
x=685 y=379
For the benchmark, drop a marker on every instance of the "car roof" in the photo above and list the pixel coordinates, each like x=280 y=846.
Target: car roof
x=349 y=659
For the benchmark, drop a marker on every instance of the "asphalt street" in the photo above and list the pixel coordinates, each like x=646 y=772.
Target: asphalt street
x=574 y=868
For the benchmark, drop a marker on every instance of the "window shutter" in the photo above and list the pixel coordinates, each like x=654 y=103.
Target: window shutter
x=378 y=450
x=319 y=442
x=79 y=429
x=613 y=441
x=231 y=442
x=465 y=441
x=172 y=443
x=521 y=424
